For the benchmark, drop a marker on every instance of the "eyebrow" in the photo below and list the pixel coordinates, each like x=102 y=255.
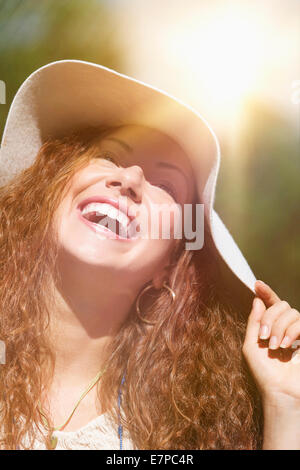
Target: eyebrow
x=121 y=142
x=173 y=167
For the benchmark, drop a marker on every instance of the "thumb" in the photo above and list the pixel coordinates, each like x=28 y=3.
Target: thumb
x=253 y=326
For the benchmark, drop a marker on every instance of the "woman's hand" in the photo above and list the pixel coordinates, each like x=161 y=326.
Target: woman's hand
x=273 y=326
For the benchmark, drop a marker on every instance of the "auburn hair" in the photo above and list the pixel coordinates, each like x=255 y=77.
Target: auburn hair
x=187 y=385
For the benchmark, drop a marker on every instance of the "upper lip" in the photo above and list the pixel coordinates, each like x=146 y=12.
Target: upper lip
x=117 y=203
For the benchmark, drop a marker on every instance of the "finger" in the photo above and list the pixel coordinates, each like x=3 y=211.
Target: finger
x=292 y=333
x=281 y=325
x=253 y=325
x=266 y=293
x=270 y=316
x=296 y=357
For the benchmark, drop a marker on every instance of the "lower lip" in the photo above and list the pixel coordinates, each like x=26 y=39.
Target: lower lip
x=100 y=229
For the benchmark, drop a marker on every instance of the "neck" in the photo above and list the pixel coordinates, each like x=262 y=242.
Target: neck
x=89 y=308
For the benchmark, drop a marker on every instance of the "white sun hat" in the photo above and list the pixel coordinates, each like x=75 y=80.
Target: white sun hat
x=67 y=95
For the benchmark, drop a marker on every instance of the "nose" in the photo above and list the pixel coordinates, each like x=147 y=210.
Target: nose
x=129 y=181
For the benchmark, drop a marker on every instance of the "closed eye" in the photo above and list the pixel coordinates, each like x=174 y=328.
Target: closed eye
x=109 y=156
x=168 y=189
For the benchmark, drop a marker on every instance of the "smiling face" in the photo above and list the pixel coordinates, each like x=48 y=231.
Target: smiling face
x=137 y=175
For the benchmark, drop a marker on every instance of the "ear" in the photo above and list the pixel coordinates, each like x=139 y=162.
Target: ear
x=160 y=277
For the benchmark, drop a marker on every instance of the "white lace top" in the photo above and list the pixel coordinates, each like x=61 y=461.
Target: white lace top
x=99 y=434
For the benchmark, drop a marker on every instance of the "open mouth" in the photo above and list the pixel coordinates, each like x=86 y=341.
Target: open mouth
x=108 y=217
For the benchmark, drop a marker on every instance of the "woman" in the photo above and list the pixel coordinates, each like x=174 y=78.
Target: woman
x=153 y=327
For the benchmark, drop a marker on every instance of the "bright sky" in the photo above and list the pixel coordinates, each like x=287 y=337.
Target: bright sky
x=213 y=54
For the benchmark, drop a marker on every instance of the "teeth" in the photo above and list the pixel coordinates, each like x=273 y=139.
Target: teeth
x=107 y=209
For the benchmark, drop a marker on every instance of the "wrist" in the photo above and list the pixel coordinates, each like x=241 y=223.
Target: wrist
x=281 y=403
x=281 y=422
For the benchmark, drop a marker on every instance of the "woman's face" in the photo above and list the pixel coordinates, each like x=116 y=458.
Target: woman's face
x=137 y=171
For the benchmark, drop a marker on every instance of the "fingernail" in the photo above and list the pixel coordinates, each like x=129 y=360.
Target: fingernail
x=264 y=332
x=262 y=282
x=285 y=342
x=273 y=343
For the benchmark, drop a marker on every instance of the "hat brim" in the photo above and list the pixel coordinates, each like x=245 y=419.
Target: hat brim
x=70 y=94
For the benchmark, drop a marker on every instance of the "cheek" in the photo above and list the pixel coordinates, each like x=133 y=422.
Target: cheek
x=58 y=221
x=160 y=220
x=69 y=231
x=93 y=173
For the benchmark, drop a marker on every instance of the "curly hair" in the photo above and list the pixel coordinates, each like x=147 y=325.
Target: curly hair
x=187 y=385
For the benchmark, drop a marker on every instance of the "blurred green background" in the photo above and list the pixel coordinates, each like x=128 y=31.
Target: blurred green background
x=237 y=63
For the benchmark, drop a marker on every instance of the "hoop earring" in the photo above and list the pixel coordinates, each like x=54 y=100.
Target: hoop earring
x=151 y=286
